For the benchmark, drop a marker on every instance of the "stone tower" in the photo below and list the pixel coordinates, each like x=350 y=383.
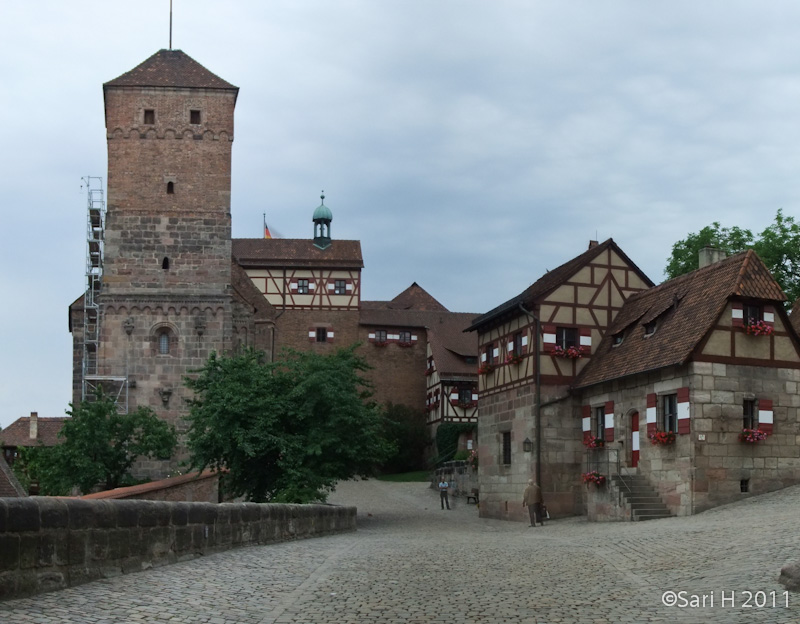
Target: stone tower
x=166 y=295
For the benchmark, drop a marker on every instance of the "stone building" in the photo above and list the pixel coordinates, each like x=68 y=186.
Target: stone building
x=167 y=285
x=692 y=363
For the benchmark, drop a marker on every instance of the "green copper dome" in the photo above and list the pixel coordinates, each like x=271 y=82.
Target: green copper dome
x=323 y=213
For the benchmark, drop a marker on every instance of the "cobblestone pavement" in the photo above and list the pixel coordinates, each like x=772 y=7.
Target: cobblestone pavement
x=412 y=562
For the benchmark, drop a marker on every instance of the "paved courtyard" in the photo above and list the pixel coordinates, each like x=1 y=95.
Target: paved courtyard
x=411 y=562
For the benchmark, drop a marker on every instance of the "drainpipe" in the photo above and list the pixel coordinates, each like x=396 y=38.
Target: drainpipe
x=537 y=414
x=283 y=309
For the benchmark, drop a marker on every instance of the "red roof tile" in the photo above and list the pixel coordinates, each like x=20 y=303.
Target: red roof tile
x=417 y=298
x=253 y=253
x=10 y=487
x=170 y=68
x=18 y=433
x=685 y=309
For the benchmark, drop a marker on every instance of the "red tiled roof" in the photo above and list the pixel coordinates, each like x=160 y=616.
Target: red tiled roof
x=170 y=68
x=417 y=298
x=552 y=280
x=253 y=253
x=18 y=433
x=685 y=309
x=450 y=345
x=10 y=487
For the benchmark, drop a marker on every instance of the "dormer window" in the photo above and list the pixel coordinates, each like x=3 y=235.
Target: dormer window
x=617 y=339
x=649 y=328
x=149 y=116
x=752 y=314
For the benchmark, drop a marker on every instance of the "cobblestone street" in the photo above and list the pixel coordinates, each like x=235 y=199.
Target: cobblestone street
x=411 y=562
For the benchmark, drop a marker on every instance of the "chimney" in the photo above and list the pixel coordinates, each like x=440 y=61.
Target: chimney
x=34 y=425
x=710 y=255
x=593 y=244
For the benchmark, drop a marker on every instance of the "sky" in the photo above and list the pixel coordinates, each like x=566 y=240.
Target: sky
x=469 y=145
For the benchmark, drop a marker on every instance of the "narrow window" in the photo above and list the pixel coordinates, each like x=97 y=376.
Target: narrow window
x=322 y=334
x=302 y=286
x=163 y=343
x=750 y=420
x=744 y=485
x=170 y=188
x=194 y=117
x=149 y=116
x=340 y=287
x=600 y=422
x=165 y=264
x=566 y=337
x=507 y=447
x=517 y=344
x=669 y=412
x=489 y=353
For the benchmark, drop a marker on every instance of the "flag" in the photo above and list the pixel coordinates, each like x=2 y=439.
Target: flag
x=267 y=233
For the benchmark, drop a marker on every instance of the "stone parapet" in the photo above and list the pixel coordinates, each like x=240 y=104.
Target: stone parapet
x=53 y=543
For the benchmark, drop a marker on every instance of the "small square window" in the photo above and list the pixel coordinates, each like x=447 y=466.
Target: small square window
x=340 y=287
x=405 y=336
x=302 y=287
x=322 y=334
x=194 y=117
x=380 y=335
x=149 y=116
x=566 y=337
x=752 y=314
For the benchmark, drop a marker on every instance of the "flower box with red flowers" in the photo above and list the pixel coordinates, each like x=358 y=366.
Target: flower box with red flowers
x=513 y=358
x=752 y=436
x=663 y=438
x=572 y=353
x=759 y=328
x=593 y=442
x=485 y=368
x=405 y=344
x=594 y=477
x=380 y=343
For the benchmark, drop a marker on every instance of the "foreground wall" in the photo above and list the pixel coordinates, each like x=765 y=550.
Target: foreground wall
x=51 y=543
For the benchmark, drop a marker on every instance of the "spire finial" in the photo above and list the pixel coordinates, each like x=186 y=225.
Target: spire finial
x=322 y=197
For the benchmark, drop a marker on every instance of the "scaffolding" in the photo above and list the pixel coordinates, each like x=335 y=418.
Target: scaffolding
x=91 y=379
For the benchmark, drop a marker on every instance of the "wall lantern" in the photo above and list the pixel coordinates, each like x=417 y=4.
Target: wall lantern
x=527 y=445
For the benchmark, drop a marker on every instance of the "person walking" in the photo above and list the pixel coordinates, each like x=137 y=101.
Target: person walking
x=532 y=499
x=443 y=487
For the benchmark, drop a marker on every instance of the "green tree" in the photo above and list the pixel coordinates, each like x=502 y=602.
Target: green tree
x=100 y=446
x=285 y=431
x=407 y=429
x=778 y=246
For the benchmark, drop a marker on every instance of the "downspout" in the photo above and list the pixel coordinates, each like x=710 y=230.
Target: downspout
x=283 y=309
x=537 y=405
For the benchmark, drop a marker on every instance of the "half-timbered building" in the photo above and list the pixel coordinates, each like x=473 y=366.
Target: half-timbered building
x=531 y=348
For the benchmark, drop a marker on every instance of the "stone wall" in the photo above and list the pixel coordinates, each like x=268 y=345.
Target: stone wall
x=49 y=543
x=461 y=477
x=190 y=488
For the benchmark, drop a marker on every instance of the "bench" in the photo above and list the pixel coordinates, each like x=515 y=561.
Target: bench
x=473 y=497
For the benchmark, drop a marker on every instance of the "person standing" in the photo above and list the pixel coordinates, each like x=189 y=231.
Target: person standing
x=532 y=499
x=443 y=487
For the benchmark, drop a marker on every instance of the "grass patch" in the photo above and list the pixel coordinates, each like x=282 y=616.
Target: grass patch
x=405 y=477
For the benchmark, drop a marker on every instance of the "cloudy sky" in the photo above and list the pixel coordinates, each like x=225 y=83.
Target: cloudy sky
x=470 y=145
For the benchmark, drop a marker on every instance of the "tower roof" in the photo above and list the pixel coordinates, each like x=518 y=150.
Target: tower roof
x=170 y=68
x=322 y=213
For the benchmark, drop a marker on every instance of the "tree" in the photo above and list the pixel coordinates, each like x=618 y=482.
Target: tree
x=406 y=428
x=285 y=431
x=100 y=446
x=778 y=246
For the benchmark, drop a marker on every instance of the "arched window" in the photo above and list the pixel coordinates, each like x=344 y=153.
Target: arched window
x=170 y=188
x=163 y=343
x=165 y=264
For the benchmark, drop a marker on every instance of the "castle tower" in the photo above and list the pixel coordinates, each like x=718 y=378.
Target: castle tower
x=166 y=295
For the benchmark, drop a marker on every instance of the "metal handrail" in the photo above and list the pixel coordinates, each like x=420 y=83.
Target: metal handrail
x=607 y=461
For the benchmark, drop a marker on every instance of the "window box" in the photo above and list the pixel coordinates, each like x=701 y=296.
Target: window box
x=593 y=442
x=758 y=328
x=572 y=353
x=485 y=368
x=594 y=477
x=752 y=436
x=662 y=438
x=405 y=344
x=514 y=358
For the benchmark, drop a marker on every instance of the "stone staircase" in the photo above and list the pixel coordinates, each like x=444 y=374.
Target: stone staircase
x=640 y=497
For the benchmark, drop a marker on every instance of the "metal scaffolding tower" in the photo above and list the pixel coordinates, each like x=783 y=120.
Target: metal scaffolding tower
x=91 y=379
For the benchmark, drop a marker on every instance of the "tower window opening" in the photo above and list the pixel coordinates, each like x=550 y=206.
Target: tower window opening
x=165 y=264
x=194 y=117
x=170 y=188
x=149 y=116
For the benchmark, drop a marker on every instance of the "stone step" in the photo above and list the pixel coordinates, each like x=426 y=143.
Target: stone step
x=640 y=497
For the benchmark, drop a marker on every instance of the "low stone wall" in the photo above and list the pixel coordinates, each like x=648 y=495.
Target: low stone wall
x=191 y=488
x=459 y=474
x=52 y=543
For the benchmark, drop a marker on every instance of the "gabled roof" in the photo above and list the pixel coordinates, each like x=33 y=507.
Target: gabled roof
x=685 y=309
x=170 y=68
x=450 y=345
x=18 y=433
x=417 y=298
x=552 y=280
x=295 y=252
x=245 y=292
x=10 y=487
